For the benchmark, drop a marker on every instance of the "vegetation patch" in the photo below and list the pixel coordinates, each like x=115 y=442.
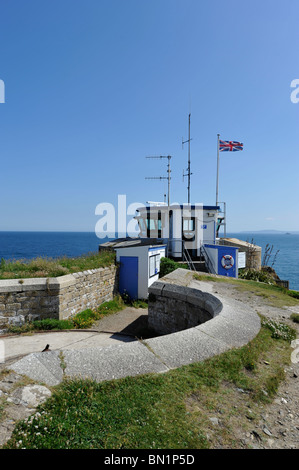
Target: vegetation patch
x=295 y=317
x=208 y=404
x=50 y=267
x=275 y=295
x=255 y=275
x=168 y=265
x=279 y=330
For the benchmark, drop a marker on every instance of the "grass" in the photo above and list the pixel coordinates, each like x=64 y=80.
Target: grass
x=275 y=295
x=49 y=267
x=163 y=411
x=295 y=317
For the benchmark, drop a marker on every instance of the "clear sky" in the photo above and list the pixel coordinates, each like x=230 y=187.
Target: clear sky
x=92 y=87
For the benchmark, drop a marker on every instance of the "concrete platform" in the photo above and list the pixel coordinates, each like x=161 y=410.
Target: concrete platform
x=16 y=346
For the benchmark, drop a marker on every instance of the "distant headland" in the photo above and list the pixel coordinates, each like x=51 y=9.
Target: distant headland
x=279 y=232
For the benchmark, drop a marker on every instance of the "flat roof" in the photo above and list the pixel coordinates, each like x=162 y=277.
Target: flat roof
x=131 y=242
x=180 y=206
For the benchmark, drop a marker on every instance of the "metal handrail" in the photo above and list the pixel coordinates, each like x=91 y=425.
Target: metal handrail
x=187 y=257
x=185 y=254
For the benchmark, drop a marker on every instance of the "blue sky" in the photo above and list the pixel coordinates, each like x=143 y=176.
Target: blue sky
x=93 y=87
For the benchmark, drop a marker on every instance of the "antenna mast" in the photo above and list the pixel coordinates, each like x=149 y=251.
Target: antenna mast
x=189 y=166
x=163 y=177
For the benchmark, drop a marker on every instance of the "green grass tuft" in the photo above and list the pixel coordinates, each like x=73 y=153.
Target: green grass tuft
x=49 y=267
x=295 y=317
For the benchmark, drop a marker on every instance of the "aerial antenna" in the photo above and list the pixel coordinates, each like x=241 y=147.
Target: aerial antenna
x=189 y=165
x=163 y=177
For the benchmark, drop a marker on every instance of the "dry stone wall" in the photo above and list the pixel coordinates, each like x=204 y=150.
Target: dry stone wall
x=23 y=300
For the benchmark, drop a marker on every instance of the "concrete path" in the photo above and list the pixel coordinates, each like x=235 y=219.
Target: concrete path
x=130 y=321
x=122 y=326
x=16 y=346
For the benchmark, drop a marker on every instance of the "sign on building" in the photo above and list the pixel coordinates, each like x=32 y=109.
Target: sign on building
x=241 y=259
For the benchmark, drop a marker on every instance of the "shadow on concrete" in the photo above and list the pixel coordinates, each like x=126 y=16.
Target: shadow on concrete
x=138 y=328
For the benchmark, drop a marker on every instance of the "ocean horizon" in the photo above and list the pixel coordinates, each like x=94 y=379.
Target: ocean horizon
x=16 y=245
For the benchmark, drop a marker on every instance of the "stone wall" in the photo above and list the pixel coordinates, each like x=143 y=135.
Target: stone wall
x=175 y=307
x=23 y=300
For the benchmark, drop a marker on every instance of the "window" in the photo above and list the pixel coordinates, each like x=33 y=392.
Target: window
x=188 y=226
x=154 y=265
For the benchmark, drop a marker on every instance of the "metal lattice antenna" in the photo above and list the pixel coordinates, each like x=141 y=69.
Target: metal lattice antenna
x=168 y=177
x=189 y=163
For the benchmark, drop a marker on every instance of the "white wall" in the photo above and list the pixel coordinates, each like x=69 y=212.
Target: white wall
x=142 y=253
x=213 y=255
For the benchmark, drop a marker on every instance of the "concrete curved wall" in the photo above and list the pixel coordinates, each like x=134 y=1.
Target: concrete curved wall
x=234 y=324
x=173 y=307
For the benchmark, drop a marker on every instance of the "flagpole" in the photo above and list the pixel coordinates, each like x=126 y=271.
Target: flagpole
x=217 y=179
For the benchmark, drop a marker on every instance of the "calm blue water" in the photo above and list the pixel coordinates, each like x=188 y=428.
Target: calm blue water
x=287 y=260
x=26 y=245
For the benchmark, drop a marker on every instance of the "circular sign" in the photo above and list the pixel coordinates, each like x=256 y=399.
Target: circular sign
x=227 y=261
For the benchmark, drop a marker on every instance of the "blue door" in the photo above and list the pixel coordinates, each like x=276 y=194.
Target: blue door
x=128 y=276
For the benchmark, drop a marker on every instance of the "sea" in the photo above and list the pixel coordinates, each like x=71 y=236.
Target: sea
x=28 y=245
x=284 y=255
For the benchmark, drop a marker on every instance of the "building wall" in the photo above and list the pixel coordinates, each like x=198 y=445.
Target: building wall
x=142 y=253
x=253 y=252
x=23 y=300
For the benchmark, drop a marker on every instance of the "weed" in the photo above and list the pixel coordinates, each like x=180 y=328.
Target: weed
x=279 y=330
x=295 y=317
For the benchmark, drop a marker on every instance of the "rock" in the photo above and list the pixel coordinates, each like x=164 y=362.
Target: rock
x=30 y=396
x=214 y=421
x=256 y=435
x=266 y=431
x=8 y=381
x=6 y=429
x=17 y=412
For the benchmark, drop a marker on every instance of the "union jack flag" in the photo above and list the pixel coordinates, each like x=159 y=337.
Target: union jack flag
x=230 y=146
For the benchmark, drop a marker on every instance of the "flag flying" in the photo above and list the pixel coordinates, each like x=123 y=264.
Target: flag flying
x=230 y=146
